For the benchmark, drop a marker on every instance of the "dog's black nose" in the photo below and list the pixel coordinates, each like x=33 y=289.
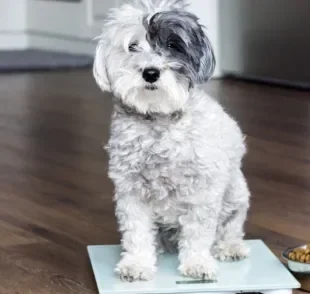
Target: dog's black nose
x=151 y=74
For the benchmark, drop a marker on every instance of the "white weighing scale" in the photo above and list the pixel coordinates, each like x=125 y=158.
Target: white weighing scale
x=262 y=272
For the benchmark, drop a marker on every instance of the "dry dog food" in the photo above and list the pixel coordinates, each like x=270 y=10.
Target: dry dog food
x=300 y=254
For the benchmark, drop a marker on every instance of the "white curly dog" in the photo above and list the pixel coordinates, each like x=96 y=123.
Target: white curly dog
x=175 y=155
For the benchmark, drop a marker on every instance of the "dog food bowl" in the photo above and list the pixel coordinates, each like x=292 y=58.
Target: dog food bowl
x=299 y=269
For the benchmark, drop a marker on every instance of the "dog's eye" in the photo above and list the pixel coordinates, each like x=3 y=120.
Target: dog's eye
x=175 y=46
x=171 y=45
x=133 y=47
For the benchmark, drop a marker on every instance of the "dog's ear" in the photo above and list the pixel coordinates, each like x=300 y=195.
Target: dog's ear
x=100 y=67
x=207 y=59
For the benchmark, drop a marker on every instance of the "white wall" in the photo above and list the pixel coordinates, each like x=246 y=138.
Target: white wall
x=209 y=13
x=13 y=21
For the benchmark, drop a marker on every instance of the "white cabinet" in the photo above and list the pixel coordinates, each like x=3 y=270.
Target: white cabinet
x=52 y=25
x=66 y=26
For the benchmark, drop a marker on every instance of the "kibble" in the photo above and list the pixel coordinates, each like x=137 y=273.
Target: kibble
x=300 y=254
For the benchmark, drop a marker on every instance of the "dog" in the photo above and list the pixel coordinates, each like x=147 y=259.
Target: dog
x=175 y=155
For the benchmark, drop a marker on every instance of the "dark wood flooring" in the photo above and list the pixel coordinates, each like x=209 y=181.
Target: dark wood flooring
x=55 y=197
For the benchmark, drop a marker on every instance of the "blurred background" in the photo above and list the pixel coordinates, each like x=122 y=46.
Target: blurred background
x=257 y=39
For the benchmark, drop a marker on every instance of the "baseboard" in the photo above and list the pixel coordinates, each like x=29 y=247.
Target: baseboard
x=13 y=40
x=218 y=74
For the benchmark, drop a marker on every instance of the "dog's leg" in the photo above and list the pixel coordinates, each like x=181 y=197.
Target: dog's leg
x=138 y=260
x=198 y=230
x=229 y=243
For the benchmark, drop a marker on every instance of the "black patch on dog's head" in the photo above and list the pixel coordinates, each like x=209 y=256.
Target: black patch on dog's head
x=178 y=35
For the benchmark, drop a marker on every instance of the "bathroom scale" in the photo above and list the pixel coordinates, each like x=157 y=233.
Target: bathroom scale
x=262 y=272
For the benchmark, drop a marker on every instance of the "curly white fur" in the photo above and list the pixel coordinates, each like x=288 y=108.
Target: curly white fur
x=175 y=155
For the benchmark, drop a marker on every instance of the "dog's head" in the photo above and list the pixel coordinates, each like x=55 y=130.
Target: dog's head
x=151 y=53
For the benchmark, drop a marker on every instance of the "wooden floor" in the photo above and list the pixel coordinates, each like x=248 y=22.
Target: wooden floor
x=56 y=198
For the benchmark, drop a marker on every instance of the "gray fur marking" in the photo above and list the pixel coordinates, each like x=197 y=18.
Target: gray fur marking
x=179 y=36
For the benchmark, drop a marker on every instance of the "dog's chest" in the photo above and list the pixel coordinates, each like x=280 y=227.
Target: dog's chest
x=163 y=160
x=166 y=162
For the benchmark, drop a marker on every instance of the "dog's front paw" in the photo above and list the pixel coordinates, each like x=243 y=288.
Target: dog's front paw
x=199 y=268
x=132 y=268
x=230 y=250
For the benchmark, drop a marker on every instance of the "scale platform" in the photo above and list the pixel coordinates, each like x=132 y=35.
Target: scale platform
x=261 y=272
